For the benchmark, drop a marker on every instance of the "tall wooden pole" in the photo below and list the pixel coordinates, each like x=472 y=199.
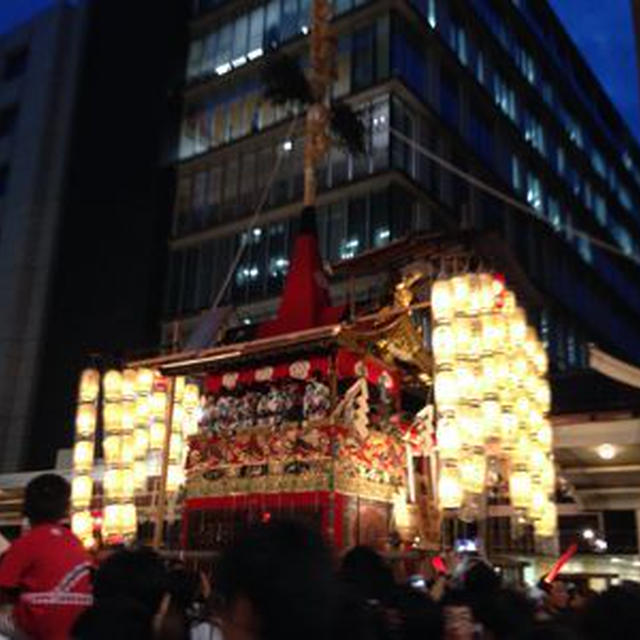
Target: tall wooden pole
x=162 y=494
x=322 y=54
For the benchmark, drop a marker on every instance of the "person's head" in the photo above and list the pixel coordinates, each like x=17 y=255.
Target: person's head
x=138 y=575
x=46 y=499
x=419 y=616
x=366 y=571
x=613 y=615
x=276 y=583
x=504 y=613
x=557 y=595
x=111 y=618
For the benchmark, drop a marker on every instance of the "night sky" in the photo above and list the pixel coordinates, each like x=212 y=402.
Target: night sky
x=602 y=30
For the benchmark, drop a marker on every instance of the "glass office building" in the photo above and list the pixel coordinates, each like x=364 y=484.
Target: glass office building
x=494 y=87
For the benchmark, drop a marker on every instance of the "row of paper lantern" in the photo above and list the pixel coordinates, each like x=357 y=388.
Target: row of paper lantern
x=134 y=413
x=492 y=396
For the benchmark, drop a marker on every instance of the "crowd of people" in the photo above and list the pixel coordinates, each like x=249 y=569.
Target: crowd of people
x=278 y=582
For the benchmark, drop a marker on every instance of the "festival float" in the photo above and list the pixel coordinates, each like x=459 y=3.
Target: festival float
x=377 y=427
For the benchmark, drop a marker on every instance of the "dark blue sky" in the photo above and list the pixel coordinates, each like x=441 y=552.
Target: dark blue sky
x=602 y=29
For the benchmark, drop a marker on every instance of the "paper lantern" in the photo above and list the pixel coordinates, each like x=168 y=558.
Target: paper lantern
x=473 y=471
x=445 y=389
x=179 y=416
x=544 y=435
x=143 y=410
x=548 y=476
x=474 y=303
x=540 y=360
x=128 y=520
x=190 y=424
x=82 y=456
x=547 y=525
x=112 y=417
x=179 y=388
x=86 y=416
x=542 y=395
x=441 y=300
x=448 y=437
x=463 y=336
x=82 y=525
x=158 y=405
x=520 y=485
x=129 y=380
x=443 y=343
x=175 y=447
x=461 y=293
x=517 y=327
x=449 y=488
x=191 y=397
x=144 y=381
x=508 y=430
x=112 y=383
x=127 y=451
x=175 y=477
x=141 y=441
x=508 y=303
x=501 y=365
x=491 y=418
x=128 y=416
x=120 y=521
x=140 y=474
x=537 y=461
x=486 y=293
x=522 y=407
x=81 y=491
x=157 y=435
x=467 y=382
x=111 y=447
x=89 y=385
x=470 y=424
x=539 y=502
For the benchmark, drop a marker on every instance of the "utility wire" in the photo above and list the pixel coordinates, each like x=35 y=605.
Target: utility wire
x=244 y=238
x=501 y=195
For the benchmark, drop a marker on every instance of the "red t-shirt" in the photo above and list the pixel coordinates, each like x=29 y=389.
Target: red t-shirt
x=50 y=570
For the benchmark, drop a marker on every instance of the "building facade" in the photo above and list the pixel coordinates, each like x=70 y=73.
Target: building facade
x=39 y=64
x=494 y=88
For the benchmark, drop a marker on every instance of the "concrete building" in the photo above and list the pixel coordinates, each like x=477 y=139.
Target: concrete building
x=495 y=88
x=39 y=65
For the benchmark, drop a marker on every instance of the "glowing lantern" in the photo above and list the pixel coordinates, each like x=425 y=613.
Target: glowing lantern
x=530 y=345
x=129 y=379
x=449 y=488
x=128 y=521
x=474 y=303
x=140 y=474
x=82 y=456
x=448 y=436
x=175 y=447
x=445 y=389
x=517 y=326
x=443 y=344
x=128 y=416
x=461 y=290
x=520 y=488
x=486 y=292
x=86 y=420
x=158 y=404
x=544 y=435
x=491 y=418
x=508 y=430
x=466 y=380
x=522 y=407
x=179 y=416
x=143 y=410
x=537 y=461
x=82 y=525
x=441 y=300
x=175 y=477
x=548 y=476
x=144 y=381
x=191 y=397
x=539 y=503
x=473 y=471
x=501 y=365
x=141 y=441
x=508 y=302
x=89 y=385
x=111 y=447
x=178 y=390
x=81 y=491
x=156 y=435
x=112 y=383
x=547 y=524
x=543 y=395
x=540 y=360
x=470 y=424
x=113 y=417
x=190 y=423
x=463 y=336
x=127 y=451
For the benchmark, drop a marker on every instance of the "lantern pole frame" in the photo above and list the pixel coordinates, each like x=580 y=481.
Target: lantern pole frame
x=158 y=528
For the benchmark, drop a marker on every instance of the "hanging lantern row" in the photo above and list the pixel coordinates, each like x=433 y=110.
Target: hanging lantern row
x=134 y=413
x=492 y=397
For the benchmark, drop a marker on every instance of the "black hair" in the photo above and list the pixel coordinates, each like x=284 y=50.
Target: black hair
x=46 y=499
x=506 y=613
x=366 y=571
x=138 y=575
x=283 y=569
x=420 y=617
x=613 y=614
x=120 y=618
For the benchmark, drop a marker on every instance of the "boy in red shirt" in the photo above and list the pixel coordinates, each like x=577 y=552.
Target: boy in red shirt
x=46 y=572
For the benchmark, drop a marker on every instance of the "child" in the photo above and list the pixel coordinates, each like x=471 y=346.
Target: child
x=46 y=572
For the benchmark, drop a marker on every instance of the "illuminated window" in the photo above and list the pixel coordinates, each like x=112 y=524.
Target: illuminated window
x=534 y=192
